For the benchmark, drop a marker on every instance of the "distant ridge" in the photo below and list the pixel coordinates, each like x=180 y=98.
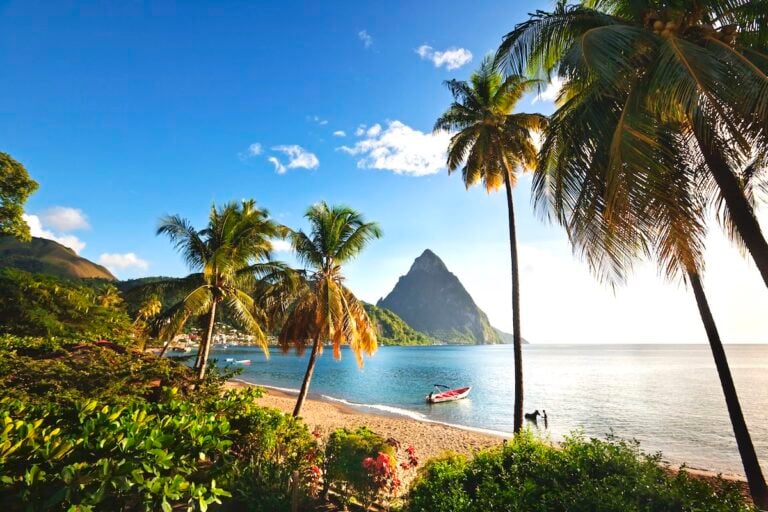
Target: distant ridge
x=432 y=300
x=45 y=256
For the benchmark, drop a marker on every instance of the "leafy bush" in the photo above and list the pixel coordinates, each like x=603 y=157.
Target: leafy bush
x=151 y=456
x=44 y=305
x=47 y=370
x=582 y=475
x=347 y=466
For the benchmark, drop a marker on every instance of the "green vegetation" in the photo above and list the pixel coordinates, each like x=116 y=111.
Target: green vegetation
x=345 y=451
x=230 y=255
x=669 y=114
x=42 y=305
x=580 y=476
x=491 y=145
x=15 y=187
x=43 y=256
x=392 y=330
x=323 y=309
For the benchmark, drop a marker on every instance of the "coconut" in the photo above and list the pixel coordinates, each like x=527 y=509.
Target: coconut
x=658 y=25
x=670 y=25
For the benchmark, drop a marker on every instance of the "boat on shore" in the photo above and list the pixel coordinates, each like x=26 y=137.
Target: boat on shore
x=444 y=394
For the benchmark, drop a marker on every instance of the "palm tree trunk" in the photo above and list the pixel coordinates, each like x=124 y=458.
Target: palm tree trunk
x=307 y=378
x=739 y=208
x=754 y=473
x=517 y=343
x=205 y=349
x=165 y=347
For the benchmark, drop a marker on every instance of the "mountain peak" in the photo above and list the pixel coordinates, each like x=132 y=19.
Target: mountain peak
x=428 y=262
x=431 y=299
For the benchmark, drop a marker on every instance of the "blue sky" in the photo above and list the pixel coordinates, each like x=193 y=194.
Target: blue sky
x=128 y=110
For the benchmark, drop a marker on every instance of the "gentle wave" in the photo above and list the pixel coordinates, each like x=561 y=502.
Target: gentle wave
x=416 y=416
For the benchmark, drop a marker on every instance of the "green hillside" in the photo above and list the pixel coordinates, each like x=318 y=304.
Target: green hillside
x=42 y=256
x=392 y=330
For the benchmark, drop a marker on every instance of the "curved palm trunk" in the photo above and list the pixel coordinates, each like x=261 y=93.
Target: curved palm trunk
x=205 y=348
x=307 y=378
x=516 y=338
x=741 y=211
x=165 y=347
x=754 y=473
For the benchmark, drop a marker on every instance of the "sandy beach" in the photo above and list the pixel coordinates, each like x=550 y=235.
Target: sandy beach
x=429 y=439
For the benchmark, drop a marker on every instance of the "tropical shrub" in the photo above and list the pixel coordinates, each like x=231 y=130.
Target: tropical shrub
x=152 y=456
x=44 y=305
x=587 y=475
x=360 y=464
x=38 y=370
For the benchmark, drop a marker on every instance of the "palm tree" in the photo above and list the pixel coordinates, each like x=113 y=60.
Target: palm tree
x=109 y=296
x=492 y=143
x=660 y=212
x=148 y=310
x=631 y=65
x=323 y=309
x=230 y=254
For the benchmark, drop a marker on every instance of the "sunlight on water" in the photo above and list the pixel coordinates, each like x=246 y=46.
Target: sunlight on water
x=666 y=396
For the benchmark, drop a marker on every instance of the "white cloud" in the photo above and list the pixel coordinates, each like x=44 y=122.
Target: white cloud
x=339 y=133
x=551 y=91
x=64 y=218
x=401 y=149
x=452 y=58
x=318 y=120
x=360 y=130
x=254 y=149
x=117 y=262
x=36 y=229
x=279 y=167
x=298 y=157
x=281 y=246
x=366 y=38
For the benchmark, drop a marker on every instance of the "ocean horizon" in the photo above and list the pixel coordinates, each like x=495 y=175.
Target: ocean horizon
x=667 y=396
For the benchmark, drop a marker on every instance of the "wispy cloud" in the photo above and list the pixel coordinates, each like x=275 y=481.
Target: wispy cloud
x=36 y=229
x=318 y=120
x=339 y=133
x=117 y=262
x=253 y=150
x=551 y=91
x=452 y=58
x=279 y=167
x=400 y=149
x=64 y=218
x=366 y=38
x=298 y=158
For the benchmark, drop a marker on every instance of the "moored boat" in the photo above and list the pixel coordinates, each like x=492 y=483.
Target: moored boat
x=449 y=395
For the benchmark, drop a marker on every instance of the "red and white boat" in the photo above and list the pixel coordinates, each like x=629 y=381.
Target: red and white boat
x=449 y=395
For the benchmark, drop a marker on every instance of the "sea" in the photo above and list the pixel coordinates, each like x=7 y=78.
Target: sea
x=668 y=397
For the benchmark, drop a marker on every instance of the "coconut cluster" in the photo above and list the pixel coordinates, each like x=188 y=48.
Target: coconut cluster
x=667 y=27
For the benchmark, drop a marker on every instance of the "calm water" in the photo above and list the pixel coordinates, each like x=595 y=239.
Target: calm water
x=666 y=396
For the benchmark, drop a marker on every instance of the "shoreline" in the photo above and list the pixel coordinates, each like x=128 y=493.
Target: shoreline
x=431 y=438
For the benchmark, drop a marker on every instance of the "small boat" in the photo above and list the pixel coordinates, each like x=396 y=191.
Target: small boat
x=444 y=394
x=246 y=362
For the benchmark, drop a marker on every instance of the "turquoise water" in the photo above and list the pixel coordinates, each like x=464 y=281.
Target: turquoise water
x=666 y=396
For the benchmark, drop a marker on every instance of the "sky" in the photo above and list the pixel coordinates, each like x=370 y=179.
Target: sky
x=125 y=111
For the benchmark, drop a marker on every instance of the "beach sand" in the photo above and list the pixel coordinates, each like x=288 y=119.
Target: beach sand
x=430 y=439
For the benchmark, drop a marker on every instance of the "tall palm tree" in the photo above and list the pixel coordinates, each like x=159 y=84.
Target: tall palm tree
x=490 y=145
x=230 y=254
x=324 y=310
x=661 y=212
x=631 y=65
